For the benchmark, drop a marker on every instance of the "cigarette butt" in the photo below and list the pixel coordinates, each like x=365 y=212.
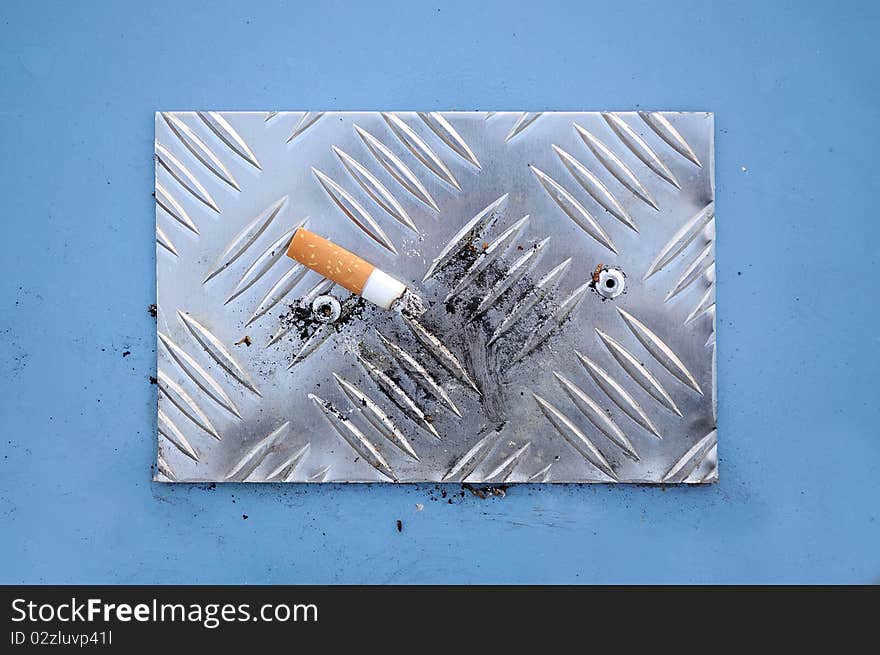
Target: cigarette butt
x=344 y=268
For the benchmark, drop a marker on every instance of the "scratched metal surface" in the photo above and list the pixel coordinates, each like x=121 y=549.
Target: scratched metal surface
x=519 y=371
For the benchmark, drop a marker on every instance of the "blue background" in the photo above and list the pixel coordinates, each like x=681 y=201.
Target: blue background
x=795 y=91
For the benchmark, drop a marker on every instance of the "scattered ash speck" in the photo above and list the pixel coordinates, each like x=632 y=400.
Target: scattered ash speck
x=499 y=491
x=472 y=305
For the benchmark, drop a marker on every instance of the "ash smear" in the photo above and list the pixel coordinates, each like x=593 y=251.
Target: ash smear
x=301 y=319
x=460 y=263
x=246 y=340
x=482 y=365
x=509 y=344
x=392 y=368
x=472 y=328
x=541 y=313
x=298 y=327
x=387 y=367
x=494 y=274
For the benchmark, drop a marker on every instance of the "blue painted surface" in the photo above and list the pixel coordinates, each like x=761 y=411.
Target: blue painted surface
x=795 y=89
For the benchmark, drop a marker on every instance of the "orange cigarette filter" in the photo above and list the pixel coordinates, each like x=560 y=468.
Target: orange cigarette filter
x=333 y=262
x=344 y=268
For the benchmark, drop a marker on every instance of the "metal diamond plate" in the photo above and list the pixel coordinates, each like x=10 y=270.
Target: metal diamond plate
x=529 y=366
